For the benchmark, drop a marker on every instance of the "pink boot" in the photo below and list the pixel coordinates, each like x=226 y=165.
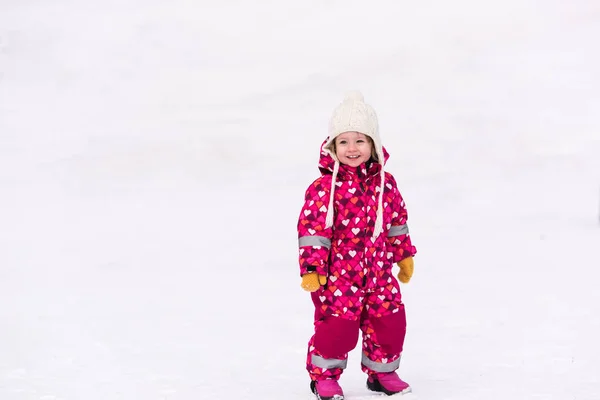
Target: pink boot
x=388 y=383
x=327 y=389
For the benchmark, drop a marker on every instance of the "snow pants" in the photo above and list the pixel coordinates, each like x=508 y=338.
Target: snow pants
x=341 y=315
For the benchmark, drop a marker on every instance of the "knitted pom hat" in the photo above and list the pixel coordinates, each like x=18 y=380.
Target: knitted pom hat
x=354 y=115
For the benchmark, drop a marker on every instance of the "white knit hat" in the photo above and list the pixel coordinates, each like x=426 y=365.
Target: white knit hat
x=354 y=115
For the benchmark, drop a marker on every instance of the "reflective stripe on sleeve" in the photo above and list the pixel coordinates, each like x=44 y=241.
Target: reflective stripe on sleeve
x=314 y=241
x=398 y=230
x=378 y=366
x=327 y=363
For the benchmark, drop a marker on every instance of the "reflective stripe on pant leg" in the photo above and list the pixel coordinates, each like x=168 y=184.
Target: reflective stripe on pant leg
x=379 y=366
x=328 y=363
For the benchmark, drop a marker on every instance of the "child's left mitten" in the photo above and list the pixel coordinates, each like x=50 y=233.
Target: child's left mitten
x=407 y=267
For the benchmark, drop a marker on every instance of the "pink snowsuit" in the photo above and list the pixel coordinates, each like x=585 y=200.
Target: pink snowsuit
x=362 y=292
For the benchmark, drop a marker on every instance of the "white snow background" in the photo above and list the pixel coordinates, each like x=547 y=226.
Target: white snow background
x=154 y=157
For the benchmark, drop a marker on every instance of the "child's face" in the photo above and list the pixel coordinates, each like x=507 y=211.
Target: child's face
x=353 y=148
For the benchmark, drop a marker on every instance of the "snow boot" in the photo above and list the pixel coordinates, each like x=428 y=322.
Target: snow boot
x=388 y=383
x=327 y=389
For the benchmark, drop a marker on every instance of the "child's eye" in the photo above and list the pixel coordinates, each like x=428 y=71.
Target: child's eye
x=342 y=142
x=360 y=141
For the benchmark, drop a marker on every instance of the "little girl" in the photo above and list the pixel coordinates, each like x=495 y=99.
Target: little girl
x=351 y=231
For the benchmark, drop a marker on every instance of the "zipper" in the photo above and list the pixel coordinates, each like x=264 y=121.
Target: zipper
x=361 y=183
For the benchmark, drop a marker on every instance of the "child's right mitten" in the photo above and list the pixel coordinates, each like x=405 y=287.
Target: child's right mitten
x=312 y=281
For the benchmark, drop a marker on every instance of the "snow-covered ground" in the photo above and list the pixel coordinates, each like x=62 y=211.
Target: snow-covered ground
x=154 y=156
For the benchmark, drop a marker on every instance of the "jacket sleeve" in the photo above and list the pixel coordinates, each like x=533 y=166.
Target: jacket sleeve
x=398 y=235
x=314 y=241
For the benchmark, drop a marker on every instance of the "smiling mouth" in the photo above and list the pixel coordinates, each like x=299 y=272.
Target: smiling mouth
x=353 y=157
